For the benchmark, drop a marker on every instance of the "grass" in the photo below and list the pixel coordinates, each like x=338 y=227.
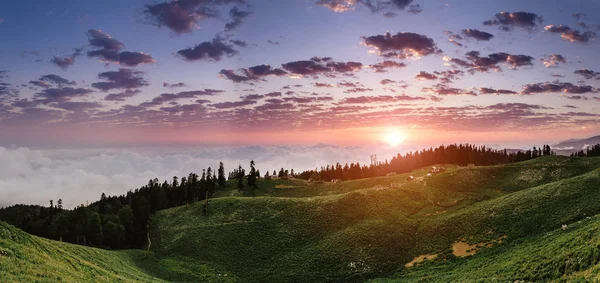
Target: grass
x=354 y=231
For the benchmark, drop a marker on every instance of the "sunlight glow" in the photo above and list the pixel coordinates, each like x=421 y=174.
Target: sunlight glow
x=394 y=137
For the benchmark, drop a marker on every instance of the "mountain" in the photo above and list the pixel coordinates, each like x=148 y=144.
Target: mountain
x=531 y=221
x=568 y=146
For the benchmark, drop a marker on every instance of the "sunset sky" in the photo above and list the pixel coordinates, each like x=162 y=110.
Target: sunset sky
x=231 y=72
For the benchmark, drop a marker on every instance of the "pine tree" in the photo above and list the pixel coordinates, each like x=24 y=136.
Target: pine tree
x=221 y=175
x=252 y=175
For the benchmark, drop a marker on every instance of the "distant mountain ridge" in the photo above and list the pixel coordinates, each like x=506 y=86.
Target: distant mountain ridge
x=572 y=145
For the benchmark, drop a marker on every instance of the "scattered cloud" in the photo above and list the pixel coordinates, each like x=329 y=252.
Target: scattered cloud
x=121 y=79
x=401 y=45
x=557 y=87
x=553 y=60
x=477 y=34
x=507 y=20
x=570 y=34
x=110 y=50
x=213 y=50
x=237 y=17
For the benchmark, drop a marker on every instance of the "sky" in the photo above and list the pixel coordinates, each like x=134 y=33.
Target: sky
x=230 y=76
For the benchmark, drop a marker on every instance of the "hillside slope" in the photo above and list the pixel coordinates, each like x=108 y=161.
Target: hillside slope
x=374 y=231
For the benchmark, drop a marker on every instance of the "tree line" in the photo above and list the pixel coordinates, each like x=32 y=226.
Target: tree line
x=461 y=154
x=122 y=221
x=593 y=151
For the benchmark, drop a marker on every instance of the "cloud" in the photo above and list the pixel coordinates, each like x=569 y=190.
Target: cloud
x=110 y=50
x=66 y=62
x=174 y=85
x=233 y=104
x=239 y=43
x=446 y=90
x=213 y=50
x=385 y=7
x=182 y=16
x=168 y=97
x=77 y=106
x=485 y=90
x=387 y=81
x=485 y=64
x=318 y=84
x=553 y=60
x=358 y=89
x=557 y=87
x=122 y=96
x=338 y=5
x=507 y=21
x=477 y=34
x=401 y=45
x=121 y=79
x=379 y=99
x=382 y=67
x=588 y=74
x=321 y=66
x=254 y=73
x=60 y=94
x=422 y=75
x=237 y=17
x=570 y=34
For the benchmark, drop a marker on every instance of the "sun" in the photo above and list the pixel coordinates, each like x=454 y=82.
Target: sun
x=394 y=137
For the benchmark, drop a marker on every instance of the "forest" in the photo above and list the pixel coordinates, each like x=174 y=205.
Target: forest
x=117 y=222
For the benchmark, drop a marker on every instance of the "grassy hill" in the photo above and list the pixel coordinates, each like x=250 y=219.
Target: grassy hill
x=483 y=223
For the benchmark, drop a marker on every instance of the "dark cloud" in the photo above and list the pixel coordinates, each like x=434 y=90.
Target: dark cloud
x=449 y=75
x=208 y=51
x=68 y=61
x=379 y=99
x=507 y=21
x=254 y=73
x=48 y=81
x=557 y=87
x=77 y=106
x=414 y=9
x=446 y=90
x=273 y=94
x=454 y=38
x=60 y=94
x=570 y=34
x=170 y=97
x=252 y=97
x=485 y=90
x=321 y=66
x=133 y=59
x=233 y=104
x=484 y=64
x=175 y=85
x=187 y=108
x=181 y=16
x=387 y=81
x=401 y=45
x=237 y=17
x=477 y=34
x=358 y=89
x=382 y=67
x=239 y=43
x=422 y=75
x=349 y=84
x=578 y=16
x=121 y=79
x=7 y=91
x=110 y=50
x=323 y=85
x=588 y=74
x=570 y=106
x=553 y=60
x=122 y=96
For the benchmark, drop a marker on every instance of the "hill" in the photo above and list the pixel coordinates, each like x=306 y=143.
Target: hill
x=480 y=223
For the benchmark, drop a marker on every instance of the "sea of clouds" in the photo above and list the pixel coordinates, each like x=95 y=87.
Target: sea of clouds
x=35 y=176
